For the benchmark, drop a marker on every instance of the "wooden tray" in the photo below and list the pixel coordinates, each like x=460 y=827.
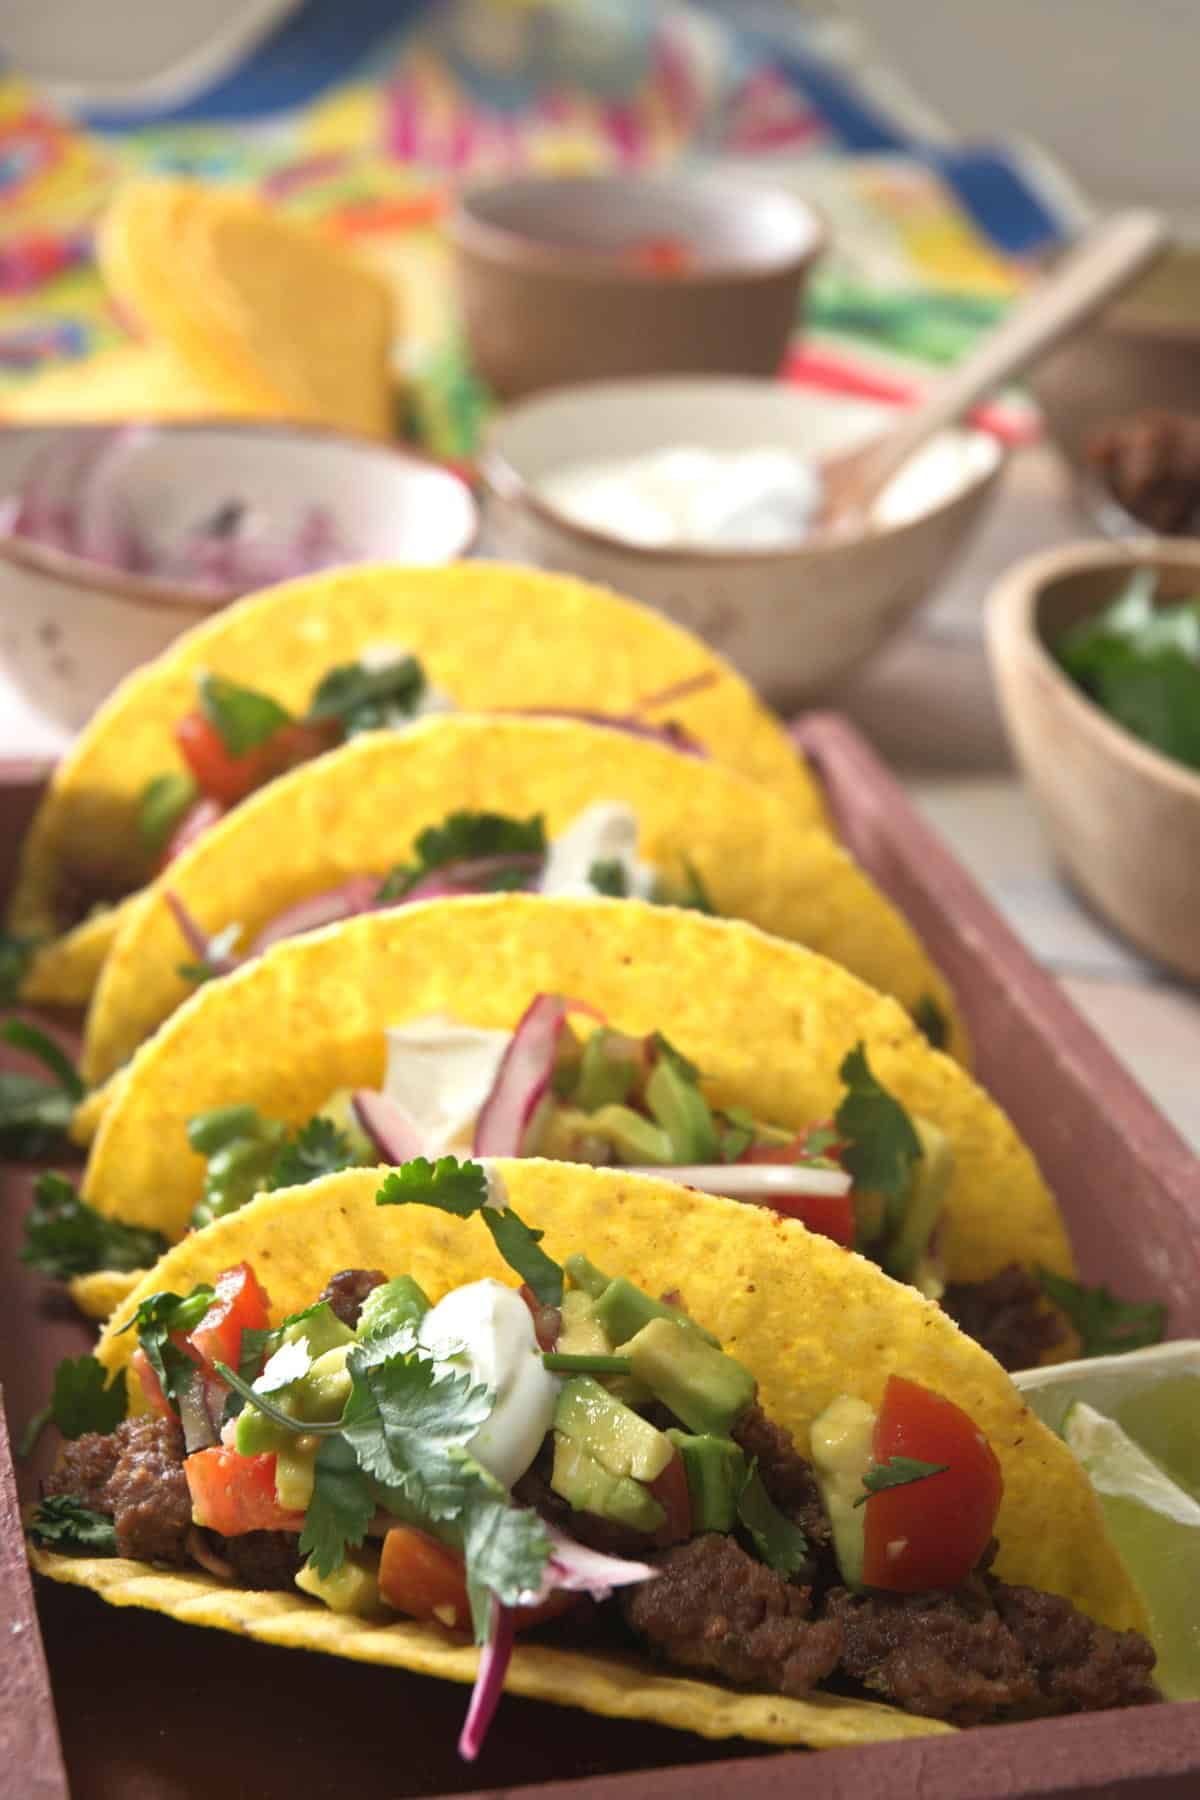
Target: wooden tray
x=151 y=1710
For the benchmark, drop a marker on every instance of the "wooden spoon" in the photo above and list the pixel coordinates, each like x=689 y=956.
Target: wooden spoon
x=1103 y=263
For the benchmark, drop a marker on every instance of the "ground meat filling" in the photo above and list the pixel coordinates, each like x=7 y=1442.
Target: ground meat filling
x=263 y=1559
x=988 y=1652
x=136 y=1477
x=713 y=1607
x=347 y=1291
x=1007 y=1315
x=788 y=1479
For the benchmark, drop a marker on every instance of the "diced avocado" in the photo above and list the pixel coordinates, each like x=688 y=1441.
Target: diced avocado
x=931 y=1177
x=354 y=1588
x=581 y=1333
x=841 y=1456
x=295 y=1465
x=607 y=1072
x=321 y=1395
x=567 y=1134
x=259 y=1436
x=211 y=1131
x=623 y=1309
x=683 y=1113
x=587 y=1486
x=586 y=1275
x=611 y=1432
x=391 y=1307
x=716 y=1471
x=339 y=1108
x=703 y=1386
x=320 y=1329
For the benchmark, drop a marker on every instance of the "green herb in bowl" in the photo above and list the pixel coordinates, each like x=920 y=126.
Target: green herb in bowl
x=1141 y=663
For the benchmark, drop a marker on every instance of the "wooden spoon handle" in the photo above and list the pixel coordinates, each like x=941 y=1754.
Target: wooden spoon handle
x=1106 y=259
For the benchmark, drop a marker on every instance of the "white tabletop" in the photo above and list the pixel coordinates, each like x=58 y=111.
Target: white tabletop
x=927 y=704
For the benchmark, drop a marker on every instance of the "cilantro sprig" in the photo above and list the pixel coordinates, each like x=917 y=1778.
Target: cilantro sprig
x=1107 y=1326
x=157 y=1320
x=894 y=1472
x=34 y=1112
x=779 y=1541
x=65 y=1236
x=16 y=954
x=462 y=1189
x=318 y=1148
x=242 y=717
x=466 y=837
x=62 y=1523
x=249 y=1154
x=881 y=1145
x=82 y=1399
x=363 y=699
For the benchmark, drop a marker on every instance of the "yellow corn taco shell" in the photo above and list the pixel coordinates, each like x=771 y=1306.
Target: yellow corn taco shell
x=810 y=1320
x=767 y=1022
x=361 y=809
x=65 y=971
x=203 y=270
x=489 y=637
x=133 y=381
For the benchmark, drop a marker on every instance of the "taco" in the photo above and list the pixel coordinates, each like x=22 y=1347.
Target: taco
x=285 y=675
x=661 y=1456
x=747 y=1065
x=463 y=805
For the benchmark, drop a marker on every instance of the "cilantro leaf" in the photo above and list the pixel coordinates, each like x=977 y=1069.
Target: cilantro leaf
x=242 y=717
x=341 y=1508
x=160 y=1317
x=518 y=1244
x=16 y=954
x=64 y=1236
x=84 y=1398
x=27 y=1037
x=455 y=1187
x=466 y=837
x=363 y=699
x=165 y=799
x=929 y=1018
x=317 y=1149
x=506 y=1548
x=1106 y=1325
x=897 y=1471
x=611 y=878
x=409 y=1419
x=291 y=1362
x=694 y=895
x=250 y=1396
x=779 y=1542
x=64 y=1524
x=881 y=1144
x=35 y=1114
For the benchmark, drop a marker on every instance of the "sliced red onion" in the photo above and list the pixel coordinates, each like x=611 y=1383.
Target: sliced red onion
x=671 y=734
x=104 y=530
x=678 y=690
x=494 y=1658
x=579 y=1570
x=199 y=818
x=469 y=877
x=198 y=1433
x=523 y=1076
x=755 y=1182
x=221 y=963
x=358 y=895
x=388 y=1126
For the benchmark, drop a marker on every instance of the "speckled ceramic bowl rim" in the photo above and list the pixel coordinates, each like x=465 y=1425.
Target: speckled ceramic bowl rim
x=575 y=263
x=501 y=479
x=95 y=578
x=1012 y=612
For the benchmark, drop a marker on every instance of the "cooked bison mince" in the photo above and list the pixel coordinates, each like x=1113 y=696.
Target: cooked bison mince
x=714 y=1607
x=347 y=1291
x=263 y=1559
x=144 y=1492
x=1007 y=1315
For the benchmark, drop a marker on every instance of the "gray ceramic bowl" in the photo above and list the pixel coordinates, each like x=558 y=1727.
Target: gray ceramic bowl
x=1124 y=819
x=556 y=288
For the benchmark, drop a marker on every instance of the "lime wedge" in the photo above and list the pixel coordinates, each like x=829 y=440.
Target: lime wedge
x=1156 y=1527
x=1153 y=1394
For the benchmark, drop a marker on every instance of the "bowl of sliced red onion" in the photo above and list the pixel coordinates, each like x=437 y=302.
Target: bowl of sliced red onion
x=113 y=540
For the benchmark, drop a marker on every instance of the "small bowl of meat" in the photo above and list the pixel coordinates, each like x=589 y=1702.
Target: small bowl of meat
x=592 y=277
x=113 y=540
x=1096 y=655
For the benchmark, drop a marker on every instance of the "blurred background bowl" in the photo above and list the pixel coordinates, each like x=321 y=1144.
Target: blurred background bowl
x=1123 y=818
x=72 y=628
x=1141 y=354
x=583 y=278
x=793 y=619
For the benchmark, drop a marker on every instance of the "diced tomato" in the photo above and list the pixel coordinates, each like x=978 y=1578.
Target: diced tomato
x=220 y=774
x=299 y=743
x=422 y=1577
x=233 y=1494
x=670 y=1489
x=150 y=1384
x=547 y=1320
x=831 y=1215
x=241 y=1304
x=929 y=1533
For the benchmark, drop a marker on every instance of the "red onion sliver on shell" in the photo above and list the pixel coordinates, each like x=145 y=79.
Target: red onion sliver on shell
x=388 y=1126
x=524 y=1075
x=494 y=1659
x=358 y=895
x=582 y=1571
x=751 y=1181
x=197 y=943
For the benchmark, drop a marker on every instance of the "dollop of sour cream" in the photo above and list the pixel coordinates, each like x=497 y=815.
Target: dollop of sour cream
x=605 y=832
x=440 y=1072
x=487 y=1328
x=728 y=499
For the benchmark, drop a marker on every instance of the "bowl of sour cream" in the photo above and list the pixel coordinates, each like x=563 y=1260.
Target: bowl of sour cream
x=698 y=494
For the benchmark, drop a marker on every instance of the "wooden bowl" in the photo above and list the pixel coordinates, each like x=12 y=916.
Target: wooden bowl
x=555 y=288
x=1141 y=354
x=1123 y=818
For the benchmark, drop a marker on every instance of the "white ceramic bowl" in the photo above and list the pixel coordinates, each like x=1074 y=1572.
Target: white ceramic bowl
x=71 y=629
x=794 y=619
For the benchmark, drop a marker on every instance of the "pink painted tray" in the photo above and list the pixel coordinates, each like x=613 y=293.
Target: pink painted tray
x=149 y=1710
